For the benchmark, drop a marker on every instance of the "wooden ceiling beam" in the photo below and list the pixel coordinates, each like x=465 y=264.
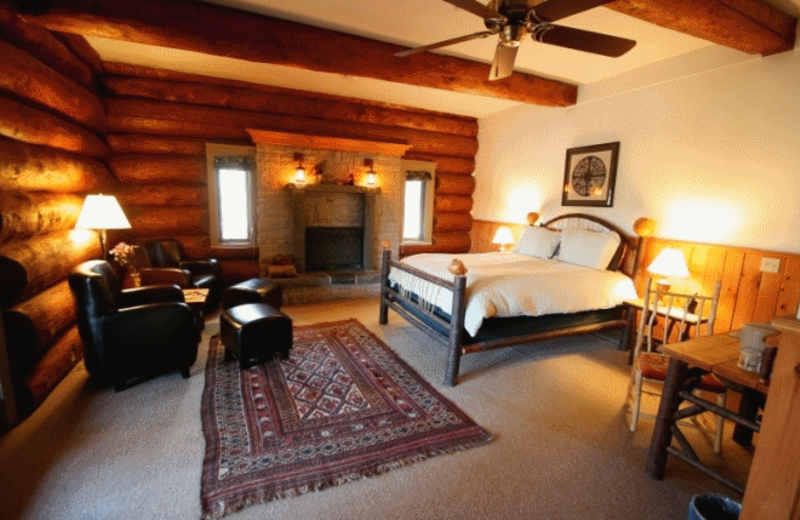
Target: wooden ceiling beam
x=221 y=31
x=750 y=26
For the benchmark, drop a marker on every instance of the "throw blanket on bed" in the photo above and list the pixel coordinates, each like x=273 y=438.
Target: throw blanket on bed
x=510 y=284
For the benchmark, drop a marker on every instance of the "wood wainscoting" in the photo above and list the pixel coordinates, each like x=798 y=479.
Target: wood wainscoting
x=748 y=294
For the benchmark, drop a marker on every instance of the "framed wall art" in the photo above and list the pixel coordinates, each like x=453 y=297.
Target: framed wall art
x=590 y=175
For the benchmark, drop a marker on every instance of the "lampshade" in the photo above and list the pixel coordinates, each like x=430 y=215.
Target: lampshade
x=102 y=212
x=669 y=262
x=503 y=237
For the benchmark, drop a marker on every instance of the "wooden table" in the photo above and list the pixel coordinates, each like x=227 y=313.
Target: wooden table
x=719 y=355
x=195 y=298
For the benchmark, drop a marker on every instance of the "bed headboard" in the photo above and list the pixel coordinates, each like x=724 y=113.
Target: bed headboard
x=626 y=258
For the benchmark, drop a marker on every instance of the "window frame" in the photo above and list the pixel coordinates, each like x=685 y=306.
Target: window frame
x=422 y=169
x=213 y=152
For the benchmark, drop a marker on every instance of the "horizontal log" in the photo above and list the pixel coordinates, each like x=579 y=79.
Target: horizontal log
x=442 y=243
x=446 y=164
x=163 y=195
x=52 y=368
x=749 y=26
x=452 y=203
x=40 y=43
x=138 y=71
x=30 y=167
x=454 y=185
x=450 y=222
x=31 y=79
x=83 y=50
x=24 y=123
x=219 y=31
x=164 y=118
x=233 y=253
x=27 y=267
x=158 y=168
x=294 y=103
x=149 y=220
x=146 y=144
x=235 y=271
x=24 y=214
x=33 y=324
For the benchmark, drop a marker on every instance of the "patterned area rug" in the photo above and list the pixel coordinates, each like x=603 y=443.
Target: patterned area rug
x=342 y=407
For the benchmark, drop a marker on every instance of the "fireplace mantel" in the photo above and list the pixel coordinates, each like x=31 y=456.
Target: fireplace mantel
x=396 y=147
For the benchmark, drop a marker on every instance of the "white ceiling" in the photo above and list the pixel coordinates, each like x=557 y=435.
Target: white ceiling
x=420 y=22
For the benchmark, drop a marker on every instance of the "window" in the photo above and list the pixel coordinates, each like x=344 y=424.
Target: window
x=418 y=201
x=231 y=188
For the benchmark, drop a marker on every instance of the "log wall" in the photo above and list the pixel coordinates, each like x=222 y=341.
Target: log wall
x=52 y=153
x=159 y=122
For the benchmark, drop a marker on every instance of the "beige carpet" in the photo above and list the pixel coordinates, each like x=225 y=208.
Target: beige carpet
x=561 y=449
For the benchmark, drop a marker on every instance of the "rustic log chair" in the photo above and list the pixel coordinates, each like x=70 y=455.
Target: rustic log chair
x=675 y=309
x=168 y=252
x=128 y=333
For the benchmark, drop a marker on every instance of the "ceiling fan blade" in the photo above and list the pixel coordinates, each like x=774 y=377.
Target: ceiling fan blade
x=503 y=64
x=553 y=10
x=416 y=50
x=478 y=9
x=581 y=40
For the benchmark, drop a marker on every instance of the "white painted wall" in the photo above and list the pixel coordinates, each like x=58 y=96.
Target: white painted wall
x=713 y=156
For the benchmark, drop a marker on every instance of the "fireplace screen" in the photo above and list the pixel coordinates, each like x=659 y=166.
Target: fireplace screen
x=334 y=248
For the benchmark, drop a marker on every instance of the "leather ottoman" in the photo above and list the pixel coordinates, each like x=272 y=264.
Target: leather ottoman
x=253 y=332
x=255 y=290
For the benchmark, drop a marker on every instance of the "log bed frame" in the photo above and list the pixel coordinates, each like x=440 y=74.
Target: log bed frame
x=449 y=329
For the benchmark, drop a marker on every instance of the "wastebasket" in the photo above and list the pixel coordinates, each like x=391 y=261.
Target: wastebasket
x=713 y=507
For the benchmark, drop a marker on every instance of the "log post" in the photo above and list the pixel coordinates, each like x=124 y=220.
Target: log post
x=457 y=311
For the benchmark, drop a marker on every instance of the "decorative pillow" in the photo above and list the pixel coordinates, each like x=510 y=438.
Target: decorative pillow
x=588 y=248
x=538 y=241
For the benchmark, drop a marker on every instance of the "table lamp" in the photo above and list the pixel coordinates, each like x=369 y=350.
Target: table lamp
x=503 y=237
x=670 y=264
x=102 y=212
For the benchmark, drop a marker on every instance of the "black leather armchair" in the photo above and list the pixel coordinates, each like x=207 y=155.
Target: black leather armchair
x=132 y=332
x=169 y=252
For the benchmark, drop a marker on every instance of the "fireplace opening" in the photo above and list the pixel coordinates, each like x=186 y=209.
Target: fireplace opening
x=329 y=248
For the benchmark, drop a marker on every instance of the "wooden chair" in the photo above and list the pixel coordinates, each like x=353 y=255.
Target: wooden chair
x=676 y=309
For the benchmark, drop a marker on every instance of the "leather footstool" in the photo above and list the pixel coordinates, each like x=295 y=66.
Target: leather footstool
x=255 y=290
x=253 y=332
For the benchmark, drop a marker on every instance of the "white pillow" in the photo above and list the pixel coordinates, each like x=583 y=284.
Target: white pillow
x=588 y=248
x=537 y=241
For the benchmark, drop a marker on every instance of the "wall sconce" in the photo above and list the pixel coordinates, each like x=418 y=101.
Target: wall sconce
x=300 y=173
x=369 y=163
x=102 y=212
x=503 y=237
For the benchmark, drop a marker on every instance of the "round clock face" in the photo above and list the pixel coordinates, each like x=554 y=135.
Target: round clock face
x=589 y=176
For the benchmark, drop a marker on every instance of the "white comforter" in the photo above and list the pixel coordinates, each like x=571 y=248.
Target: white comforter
x=510 y=284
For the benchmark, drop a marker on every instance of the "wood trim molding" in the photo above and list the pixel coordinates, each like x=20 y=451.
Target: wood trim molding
x=321 y=142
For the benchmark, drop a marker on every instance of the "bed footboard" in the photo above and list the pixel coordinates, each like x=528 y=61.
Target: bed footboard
x=448 y=331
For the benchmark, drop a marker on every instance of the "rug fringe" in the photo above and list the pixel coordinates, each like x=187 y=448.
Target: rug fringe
x=336 y=480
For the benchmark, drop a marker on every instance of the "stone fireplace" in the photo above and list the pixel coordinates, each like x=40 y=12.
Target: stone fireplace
x=332 y=228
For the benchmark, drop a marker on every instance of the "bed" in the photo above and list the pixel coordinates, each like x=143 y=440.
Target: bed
x=568 y=276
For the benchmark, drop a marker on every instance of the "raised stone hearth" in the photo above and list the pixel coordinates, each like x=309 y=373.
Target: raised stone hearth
x=327 y=201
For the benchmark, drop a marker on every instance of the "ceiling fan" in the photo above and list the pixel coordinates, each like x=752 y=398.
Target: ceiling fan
x=512 y=20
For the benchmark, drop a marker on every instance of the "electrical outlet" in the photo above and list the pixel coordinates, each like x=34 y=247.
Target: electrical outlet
x=770 y=265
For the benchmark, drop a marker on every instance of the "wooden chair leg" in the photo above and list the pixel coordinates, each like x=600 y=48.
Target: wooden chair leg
x=637 y=399
x=721 y=401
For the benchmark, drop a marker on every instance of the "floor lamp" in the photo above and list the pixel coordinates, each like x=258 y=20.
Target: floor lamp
x=102 y=212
